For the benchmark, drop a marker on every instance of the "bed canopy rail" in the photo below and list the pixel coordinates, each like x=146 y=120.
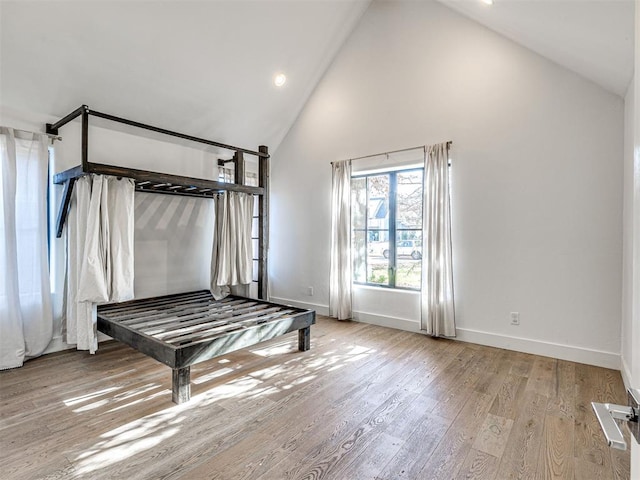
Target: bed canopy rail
x=85 y=111
x=156 y=182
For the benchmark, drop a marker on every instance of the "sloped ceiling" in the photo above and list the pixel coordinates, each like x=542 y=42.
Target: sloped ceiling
x=206 y=67
x=594 y=38
x=201 y=67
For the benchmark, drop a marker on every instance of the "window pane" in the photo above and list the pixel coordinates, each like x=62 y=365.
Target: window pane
x=359 y=257
x=409 y=255
x=409 y=199
x=378 y=201
x=408 y=273
x=358 y=202
x=378 y=245
x=378 y=270
x=410 y=246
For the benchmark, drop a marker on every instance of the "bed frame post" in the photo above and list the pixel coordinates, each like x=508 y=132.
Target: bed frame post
x=64 y=206
x=263 y=223
x=181 y=385
x=85 y=139
x=304 y=339
x=238 y=171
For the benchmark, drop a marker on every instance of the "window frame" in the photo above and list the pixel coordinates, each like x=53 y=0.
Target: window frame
x=392 y=228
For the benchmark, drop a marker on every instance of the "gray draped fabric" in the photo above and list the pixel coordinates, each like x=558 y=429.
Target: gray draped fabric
x=26 y=319
x=437 y=306
x=340 y=289
x=231 y=255
x=100 y=261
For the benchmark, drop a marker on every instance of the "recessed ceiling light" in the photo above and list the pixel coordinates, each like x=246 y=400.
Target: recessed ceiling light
x=280 y=79
x=487 y=2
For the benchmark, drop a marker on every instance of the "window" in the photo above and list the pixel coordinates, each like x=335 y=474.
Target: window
x=386 y=222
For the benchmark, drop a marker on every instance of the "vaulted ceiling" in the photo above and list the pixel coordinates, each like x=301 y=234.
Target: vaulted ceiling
x=201 y=67
x=594 y=38
x=206 y=67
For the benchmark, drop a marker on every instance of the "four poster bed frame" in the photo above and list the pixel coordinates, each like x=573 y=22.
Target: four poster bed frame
x=184 y=329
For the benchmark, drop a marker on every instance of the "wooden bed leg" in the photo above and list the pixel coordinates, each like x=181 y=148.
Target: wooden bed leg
x=181 y=385
x=304 y=339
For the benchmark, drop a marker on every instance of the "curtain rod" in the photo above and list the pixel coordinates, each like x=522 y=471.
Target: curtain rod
x=392 y=151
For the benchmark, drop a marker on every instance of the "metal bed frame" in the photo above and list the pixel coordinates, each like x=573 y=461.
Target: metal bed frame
x=155 y=182
x=183 y=329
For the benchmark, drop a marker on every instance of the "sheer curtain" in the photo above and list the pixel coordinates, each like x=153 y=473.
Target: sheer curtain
x=340 y=304
x=232 y=253
x=26 y=319
x=100 y=228
x=437 y=305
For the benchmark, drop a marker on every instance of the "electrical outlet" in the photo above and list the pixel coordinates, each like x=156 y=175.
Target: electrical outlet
x=310 y=291
x=515 y=318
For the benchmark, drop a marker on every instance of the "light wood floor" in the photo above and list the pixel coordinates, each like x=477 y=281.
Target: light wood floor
x=364 y=403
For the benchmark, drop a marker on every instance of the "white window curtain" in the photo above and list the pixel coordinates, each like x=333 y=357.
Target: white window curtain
x=340 y=289
x=232 y=254
x=100 y=259
x=437 y=306
x=26 y=319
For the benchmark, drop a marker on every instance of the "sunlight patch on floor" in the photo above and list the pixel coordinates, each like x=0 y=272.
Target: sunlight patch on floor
x=125 y=395
x=122 y=451
x=270 y=372
x=160 y=393
x=89 y=396
x=210 y=376
x=91 y=406
x=126 y=441
x=235 y=388
x=279 y=349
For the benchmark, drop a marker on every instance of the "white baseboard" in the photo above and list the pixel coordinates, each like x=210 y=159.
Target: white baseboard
x=57 y=344
x=626 y=373
x=537 y=347
x=384 y=321
x=320 y=309
x=571 y=353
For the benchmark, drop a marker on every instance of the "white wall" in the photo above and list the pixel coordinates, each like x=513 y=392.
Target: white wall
x=173 y=235
x=536 y=179
x=627 y=236
x=633 y=221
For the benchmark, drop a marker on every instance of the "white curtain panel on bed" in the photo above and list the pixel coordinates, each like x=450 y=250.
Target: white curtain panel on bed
x=340 y=290
x=26 y=319
x=232 y=253
x=438 y=317
x=100 y=257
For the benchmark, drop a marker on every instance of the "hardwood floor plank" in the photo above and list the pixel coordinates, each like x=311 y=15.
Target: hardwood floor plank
x=458 y=440
x=417 y=449
x=556 y=459
x=478 y=466
x=492 y=378
x=493 y=435
x=541 y=377
x=508 y=400
x=520 y=457
x=562 y=401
